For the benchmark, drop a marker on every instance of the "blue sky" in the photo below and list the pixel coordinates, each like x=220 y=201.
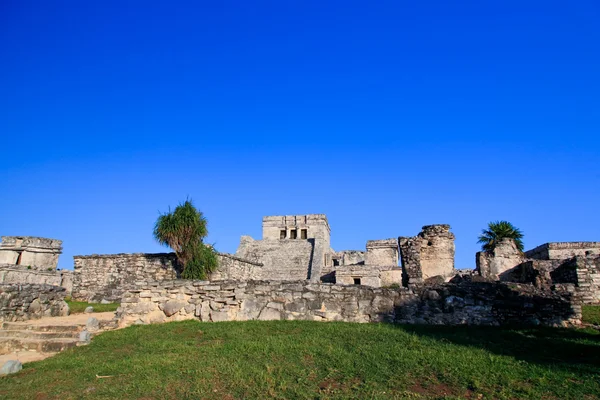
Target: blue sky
x=385 y=116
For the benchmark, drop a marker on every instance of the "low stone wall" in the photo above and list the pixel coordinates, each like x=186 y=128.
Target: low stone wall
x=21 y=274
x=20 y=302
x=105 y=278
x=479 y=303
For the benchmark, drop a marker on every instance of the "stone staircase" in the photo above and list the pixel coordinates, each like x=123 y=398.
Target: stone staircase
x=52 y=334
x=22 y=336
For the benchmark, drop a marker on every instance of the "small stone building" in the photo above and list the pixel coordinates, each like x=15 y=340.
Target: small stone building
x=31 y=251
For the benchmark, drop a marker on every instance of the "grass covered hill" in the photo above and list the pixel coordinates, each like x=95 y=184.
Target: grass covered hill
x=308 y=360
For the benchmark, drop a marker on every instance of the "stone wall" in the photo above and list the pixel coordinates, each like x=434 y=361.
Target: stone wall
x=105 y=278
x=581 y=273
x=232 y=267
x=505 y=256
x=286 y=259
x=20 y=302
x=429 y=254
x=22 y=274
x=348 y=257
x=30 y=251
x=451 y=303
x=562 y=250
x=382 y=252
x=368 y=275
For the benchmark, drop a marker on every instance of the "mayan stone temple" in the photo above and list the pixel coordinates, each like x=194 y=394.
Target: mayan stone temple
x=293 y=273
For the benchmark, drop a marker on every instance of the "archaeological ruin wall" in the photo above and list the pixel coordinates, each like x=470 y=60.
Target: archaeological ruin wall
x=99 y=278
x=562 y=250
x=474 y=303
x=34 y=252
x=379 y=267
x=283 y=259
x=427 y=255
x=504 y=257
x=22 y=302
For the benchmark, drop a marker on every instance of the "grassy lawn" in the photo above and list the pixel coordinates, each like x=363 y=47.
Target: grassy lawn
x=591 y=315
x=77 y=307
x=309 y=360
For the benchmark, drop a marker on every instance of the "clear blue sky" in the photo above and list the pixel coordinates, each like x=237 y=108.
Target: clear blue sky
x=385 y=116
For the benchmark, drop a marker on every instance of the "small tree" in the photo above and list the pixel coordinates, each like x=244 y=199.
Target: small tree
x=184 y=230
x=498 y=230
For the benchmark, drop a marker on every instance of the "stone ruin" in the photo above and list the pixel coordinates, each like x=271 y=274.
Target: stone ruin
x=293 y=273
x=429 y=254
x=575 y=265
x=36 y=252
x=32 y=260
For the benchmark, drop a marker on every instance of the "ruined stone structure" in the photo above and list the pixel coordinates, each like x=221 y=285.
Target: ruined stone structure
x=21 y=274
x=562 y=250
x=36 y=252
x=21 y=302
x=105 y=278
x=379 y=266
x=504 y=257
x=292 y=248
x=298 y=247
x=427 y=255
x=574 y=263
x=451 y=303
x=32 y=260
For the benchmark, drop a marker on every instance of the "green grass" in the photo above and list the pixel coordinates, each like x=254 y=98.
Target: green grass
x=313 y=360
x=77 y=307
x=591 y=315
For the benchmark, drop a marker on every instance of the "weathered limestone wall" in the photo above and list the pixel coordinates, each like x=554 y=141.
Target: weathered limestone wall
x=580 y=273
x=369 y=275
x=107 y=277
x=349 y=257
x=382 y=252
x=562 y=250
x=429 y=254
x=286 y=259
x=21 y=302
x=504 y=257
x=30 y=251
x=462 y=303
x=311 y=227
x=231 y=267
x=21 y=274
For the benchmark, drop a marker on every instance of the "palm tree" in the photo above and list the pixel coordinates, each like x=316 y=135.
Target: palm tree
x=498 y=230
x=184 y=230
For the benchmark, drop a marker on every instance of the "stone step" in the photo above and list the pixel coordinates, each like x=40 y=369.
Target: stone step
x=10 y=344
x=32 y=334
x=40 y=328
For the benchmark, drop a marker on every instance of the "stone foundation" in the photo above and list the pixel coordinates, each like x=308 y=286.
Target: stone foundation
x=461 y=303
x=21 y=302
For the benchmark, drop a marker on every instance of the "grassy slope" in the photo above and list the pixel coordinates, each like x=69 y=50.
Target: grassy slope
x=307 y=360
x=77 y=307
